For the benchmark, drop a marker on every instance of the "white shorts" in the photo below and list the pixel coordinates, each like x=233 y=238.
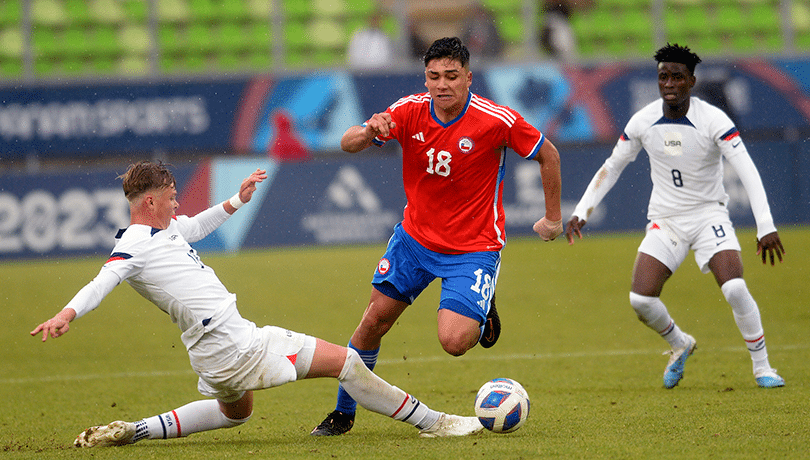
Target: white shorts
x=271 y=356
x=706 y=232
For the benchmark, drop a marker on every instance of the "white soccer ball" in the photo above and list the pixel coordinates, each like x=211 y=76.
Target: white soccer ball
x=502 y=405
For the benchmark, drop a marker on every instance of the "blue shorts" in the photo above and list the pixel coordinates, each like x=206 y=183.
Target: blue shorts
x=468 y=280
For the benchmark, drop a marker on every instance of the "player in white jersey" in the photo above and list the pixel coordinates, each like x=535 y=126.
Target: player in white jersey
x=686 y=140
x=231 y=355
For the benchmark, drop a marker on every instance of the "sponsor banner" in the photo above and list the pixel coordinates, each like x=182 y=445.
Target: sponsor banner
x=63 y=214
x=355 y=201
x=252 y=116
x=94 y=120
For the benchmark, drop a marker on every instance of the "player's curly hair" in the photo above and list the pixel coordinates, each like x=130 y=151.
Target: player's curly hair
x=448 y=47
x=677 y=53
x=144 y=176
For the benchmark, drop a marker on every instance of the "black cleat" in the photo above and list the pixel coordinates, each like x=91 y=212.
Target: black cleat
x=492 y=328
x=334 y=424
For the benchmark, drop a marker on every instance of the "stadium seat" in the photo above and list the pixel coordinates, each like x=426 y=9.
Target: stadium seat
x=259 y=9
x=330 y=8
x=135 y=39
x=77 y=13
x=297 y=9
x=12 y=43
x=173 y=11
x=109 y=12
x=359 y=8
x=135 y=10
x=10 y=12
x=199 y=39
x=48 y=13
x=203 y=11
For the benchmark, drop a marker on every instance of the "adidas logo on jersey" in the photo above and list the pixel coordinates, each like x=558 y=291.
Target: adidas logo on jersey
x=419 y=136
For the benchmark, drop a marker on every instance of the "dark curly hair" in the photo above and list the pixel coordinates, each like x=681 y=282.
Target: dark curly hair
x=448 y=47
x=677 y=53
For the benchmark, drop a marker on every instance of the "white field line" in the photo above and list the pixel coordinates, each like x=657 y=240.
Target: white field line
x=421 y=359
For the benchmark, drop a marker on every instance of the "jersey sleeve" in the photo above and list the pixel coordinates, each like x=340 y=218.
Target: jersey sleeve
x=396 y=110
x=733 y=149
x=91 y=295
x=525 y=139
x=198 y=227
x=625 y=151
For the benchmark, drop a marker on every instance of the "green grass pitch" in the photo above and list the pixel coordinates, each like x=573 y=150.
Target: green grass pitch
x=592 y=370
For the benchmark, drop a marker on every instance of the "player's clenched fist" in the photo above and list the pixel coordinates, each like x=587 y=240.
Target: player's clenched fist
x=380 y=124
x=548 y=229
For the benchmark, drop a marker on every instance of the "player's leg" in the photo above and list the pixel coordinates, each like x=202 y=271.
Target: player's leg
x=377 y=395
x=396 y=282
x=194 y=417
x=660 y=254
x=468 y=285
x=727 y=268
x=381 y=313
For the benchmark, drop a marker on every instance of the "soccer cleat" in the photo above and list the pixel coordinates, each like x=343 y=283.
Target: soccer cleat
x=492 y=327
x=452 y=425
x=335 y=424
x=674 y=371
x=115 y=434
x=768 y=378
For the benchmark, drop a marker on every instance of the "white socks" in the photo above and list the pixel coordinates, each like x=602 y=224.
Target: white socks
x=746 y=314
x=377 y=395
x=194 y=417
x=652 y=312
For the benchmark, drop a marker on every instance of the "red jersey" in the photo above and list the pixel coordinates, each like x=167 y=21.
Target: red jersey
x=453 y=173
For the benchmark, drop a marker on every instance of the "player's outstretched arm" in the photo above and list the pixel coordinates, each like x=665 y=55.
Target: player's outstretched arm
x=358 y=138
x=56 y=326
x=574 y=227
x=550 y=226
x=769 y=245
x=245 y=191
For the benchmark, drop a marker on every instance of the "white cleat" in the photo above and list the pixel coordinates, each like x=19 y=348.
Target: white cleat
x=452 y=425
x=115 y=434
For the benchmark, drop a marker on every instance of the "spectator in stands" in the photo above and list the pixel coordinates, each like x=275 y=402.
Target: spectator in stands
x=370 y=47
x=557 y=37
x=480 y=33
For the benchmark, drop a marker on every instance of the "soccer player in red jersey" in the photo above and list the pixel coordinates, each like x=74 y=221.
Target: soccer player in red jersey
x=453 y=157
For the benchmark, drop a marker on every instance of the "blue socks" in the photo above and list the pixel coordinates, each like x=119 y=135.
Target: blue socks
x=346 y=403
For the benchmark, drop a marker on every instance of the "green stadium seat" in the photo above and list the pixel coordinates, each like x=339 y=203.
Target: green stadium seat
x=233 y=10
x=48 y=13
x=199 y=39
x=176 y=11
x=296 y=35
x=11 y=68
x=360 y=8
x=500 y=7
x=134 y=65
x=260 y=60
x=730 y=21
x=330 y=8
x=170 y=39
x=511 y=28
x=327 y=33
x=135 y=39
x=260 y=36
x=10 y=12
x=12 y=43
x=45 y=44
x=135 y=10
x=260 y=9
x=73 y=43
x=107 y=11
x=77 y=12
x=297 y=9
x=203 y=10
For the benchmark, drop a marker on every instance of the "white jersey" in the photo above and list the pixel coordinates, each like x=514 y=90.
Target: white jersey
x=162 y=267
x=686 y=165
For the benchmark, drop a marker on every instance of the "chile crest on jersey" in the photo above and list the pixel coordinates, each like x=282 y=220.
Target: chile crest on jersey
x=466 y=145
